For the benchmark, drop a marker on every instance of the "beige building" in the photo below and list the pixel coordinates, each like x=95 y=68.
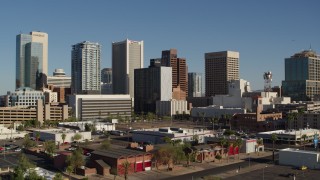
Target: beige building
x=220 y=68
x=41 y=37
x=41 y=112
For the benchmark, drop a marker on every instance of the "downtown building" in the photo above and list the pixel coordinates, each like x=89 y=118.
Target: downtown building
x=179 y=67
x=194 y=84
x=302 y=76
x=31 y=60
x=151 y=85
x=85 y=68
x=106 y=81
x=127 y=55
x=60 y=83
x=220 y=68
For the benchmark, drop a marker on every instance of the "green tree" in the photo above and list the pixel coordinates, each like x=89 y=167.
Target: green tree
x=24 y=166
x=105 y=145
x=50 y=147
x=77 y=137
x=223 y=142
x=76 y=159
x=304 y=137
x=37 y=136
x=27 y=142
x=58 y=176
x=63 y=137
x=32 y=175
x=274 y=138
x=69 y=170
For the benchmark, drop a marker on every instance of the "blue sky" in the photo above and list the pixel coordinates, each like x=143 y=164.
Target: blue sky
x=264 y=32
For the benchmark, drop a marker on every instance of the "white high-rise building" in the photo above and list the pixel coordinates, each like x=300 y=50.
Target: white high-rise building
x=85 y=70
x=126 y=56
x=59 y=79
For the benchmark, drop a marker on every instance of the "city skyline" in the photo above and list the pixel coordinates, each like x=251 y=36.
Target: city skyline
x=263 y=33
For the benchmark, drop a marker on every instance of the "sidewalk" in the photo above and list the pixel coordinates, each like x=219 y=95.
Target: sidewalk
x=180 y=170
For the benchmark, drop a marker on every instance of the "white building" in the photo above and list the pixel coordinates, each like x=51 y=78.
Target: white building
x=172 y=107
x=298 y=158
x=127 y=55
x=23 y=97
x=100 y=126
x=56 y=135
x=215 y=111
x=59 y=79
x=156 y=135
x=88 y=107
x=291 y=135
x=6 y=133
x=50 y=97
x=85 y=70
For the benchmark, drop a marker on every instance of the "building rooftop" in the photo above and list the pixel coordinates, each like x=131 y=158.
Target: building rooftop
x=118 y=153
x=292 y=132
x=299 y=151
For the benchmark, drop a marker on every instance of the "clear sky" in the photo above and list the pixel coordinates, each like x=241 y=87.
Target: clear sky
x=264 y=32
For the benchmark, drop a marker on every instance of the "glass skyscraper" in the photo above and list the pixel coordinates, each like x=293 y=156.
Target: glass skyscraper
x=194 y=84
x=31 y=59
x=302 y=76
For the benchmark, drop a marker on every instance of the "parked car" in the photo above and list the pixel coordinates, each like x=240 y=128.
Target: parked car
x=17 y=150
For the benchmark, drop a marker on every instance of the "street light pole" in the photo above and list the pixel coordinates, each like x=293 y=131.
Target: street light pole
x=263 y=172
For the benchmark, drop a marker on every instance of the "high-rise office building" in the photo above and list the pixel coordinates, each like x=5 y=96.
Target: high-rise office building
x=179 y=73
x=127 y=55
x=302 y=76
x=220 y=68
x=106 y=81
x=106 y=75
x=151 y=85
x=31 y=60
x=85 y=68
x=194 y=84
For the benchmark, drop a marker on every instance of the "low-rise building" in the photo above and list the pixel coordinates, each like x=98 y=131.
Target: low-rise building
x=294 y=136
x=172 y=107
x=56 y=135
x=81 y=125
x=6 y=133
x=40 y=112
x=139 y=160
x=214 y=111
x=298 y=158
x=88 y=107
x=157 y=135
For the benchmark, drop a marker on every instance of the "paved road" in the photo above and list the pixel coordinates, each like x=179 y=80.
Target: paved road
x=218 y=170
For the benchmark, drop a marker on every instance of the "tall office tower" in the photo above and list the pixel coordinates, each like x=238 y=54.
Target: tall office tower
x=106 y=75
x=179 y=73
x=31 y=60
x=302 y=76
x=106 y=81
x=194 y=84
x=150 y=85
x=85 y=68
x=220 y=68
x=127 y=55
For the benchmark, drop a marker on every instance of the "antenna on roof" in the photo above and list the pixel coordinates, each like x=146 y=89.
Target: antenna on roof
x=310 y=47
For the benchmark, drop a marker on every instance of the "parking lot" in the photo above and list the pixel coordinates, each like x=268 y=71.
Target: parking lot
x=9 y=159
x=277 y=172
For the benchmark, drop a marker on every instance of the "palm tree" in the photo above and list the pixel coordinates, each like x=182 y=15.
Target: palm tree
x=126 y=167
x=239 y=142
x=69 y=170
x=37 y=136
x=274 y=138
x=223 y=142
x=63 y=136
x=304 y=137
